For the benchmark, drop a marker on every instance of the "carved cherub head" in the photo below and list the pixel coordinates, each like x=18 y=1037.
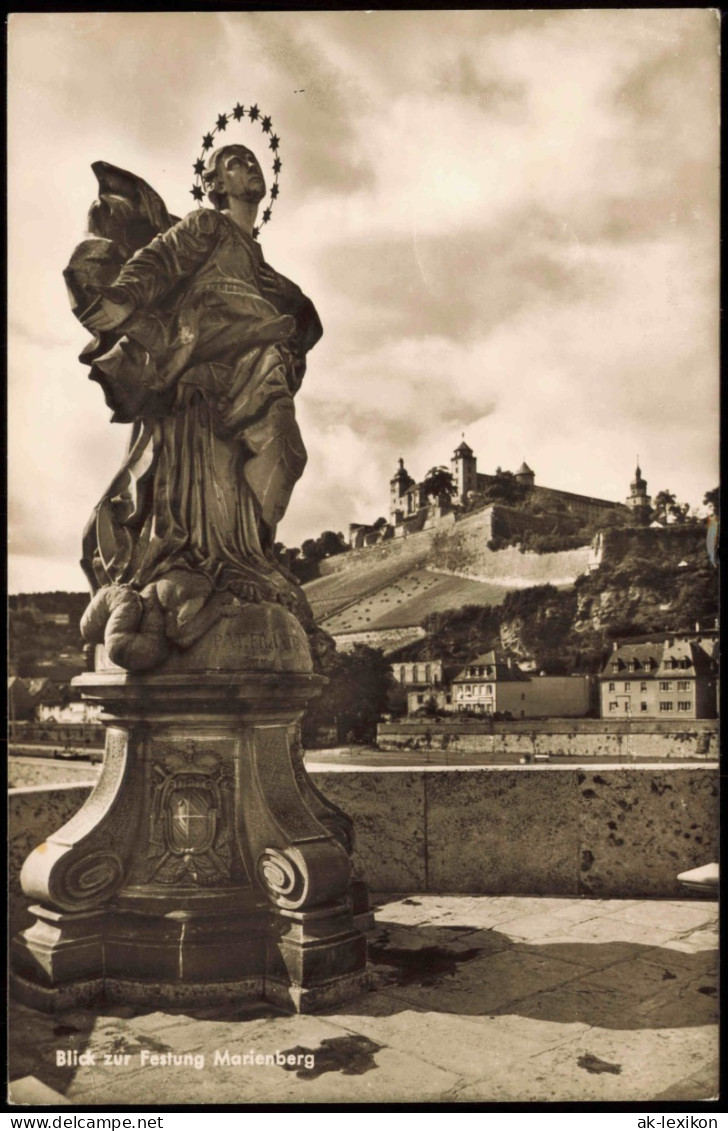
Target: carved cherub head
x=233 y=171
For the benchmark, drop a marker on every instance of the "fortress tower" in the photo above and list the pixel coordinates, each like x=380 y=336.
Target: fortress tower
x=464 y=467
x=639 y=501
x=398 y=485
x=525 y=476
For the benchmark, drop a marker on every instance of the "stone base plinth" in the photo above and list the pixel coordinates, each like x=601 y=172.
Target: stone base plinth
x=205 y=865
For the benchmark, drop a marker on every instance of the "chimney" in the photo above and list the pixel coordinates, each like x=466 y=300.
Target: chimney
x=615 y=645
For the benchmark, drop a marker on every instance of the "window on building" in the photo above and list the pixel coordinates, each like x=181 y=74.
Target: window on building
x=612 y=687
x=420 y=699
x=684 y=705
x=628 y=686
x=643 y=706
x=402 y=675
x=665 y=685
x=666 y=705
x=613 y=706
x=427 y=673
x=489 y=689
x=683 y=685
x=643 y=686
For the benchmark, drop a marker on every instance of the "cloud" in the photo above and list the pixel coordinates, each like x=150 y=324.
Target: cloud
x=508 y=221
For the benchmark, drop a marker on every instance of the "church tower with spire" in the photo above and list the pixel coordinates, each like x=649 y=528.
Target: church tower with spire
x=639 y=501
x=398 y=486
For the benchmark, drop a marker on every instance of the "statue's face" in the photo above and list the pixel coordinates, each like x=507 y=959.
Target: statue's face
x=236 y=175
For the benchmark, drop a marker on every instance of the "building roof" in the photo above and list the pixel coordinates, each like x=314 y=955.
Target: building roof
x=687 y=652
x=579 y=498
x=524 y=469
x=655 y=658
x=499 y=667
x=647 y=658
x=463 y=449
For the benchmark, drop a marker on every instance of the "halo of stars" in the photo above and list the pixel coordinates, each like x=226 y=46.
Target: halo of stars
x=240 y=114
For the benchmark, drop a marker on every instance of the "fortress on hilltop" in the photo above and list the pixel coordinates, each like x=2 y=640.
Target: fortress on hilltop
x=464 y=538
x=416 y=506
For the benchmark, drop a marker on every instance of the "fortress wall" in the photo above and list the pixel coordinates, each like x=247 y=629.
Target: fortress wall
x=388 y=639
x=457 y=550
x=407 y=550
x=463 y=551
x=670 y=542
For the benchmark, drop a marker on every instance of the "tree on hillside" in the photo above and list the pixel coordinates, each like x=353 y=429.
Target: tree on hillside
x=505 y=488
x=661 y=505
x=667 y=509
x=355 y=697
x=329 y=544
x=438 y=482
x=711 y=499
x=618 y=519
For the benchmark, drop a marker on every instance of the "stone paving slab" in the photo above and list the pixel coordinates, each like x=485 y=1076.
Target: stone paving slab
x=476 y=998
x=600 y=1065
x=670 y=916
x=696 y=941
x=464 y=1045
x=485 y=985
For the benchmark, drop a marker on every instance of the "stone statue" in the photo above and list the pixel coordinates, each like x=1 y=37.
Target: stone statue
x=206 y=865
x=201 y=346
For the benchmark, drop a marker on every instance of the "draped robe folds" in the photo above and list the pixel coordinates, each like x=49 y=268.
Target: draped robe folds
x=206 y=369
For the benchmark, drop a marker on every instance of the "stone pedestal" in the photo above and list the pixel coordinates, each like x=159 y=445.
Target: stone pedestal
x=205 y=866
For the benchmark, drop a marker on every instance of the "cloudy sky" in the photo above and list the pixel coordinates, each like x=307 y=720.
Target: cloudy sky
x=507 y=220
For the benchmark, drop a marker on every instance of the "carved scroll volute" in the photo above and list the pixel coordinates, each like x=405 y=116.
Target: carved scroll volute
x=70 y=879
x=81 y=866
x=304 y=876
x=299 y=862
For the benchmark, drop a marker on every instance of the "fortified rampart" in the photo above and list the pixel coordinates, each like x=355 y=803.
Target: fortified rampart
x=463 y=551
x=397 y=583
x=668 y=544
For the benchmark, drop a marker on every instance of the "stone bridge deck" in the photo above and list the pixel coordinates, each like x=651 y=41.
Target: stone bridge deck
x=486 y=999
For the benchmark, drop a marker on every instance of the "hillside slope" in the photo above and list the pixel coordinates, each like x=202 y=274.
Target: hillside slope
x=401 y=582
x=649 y=582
